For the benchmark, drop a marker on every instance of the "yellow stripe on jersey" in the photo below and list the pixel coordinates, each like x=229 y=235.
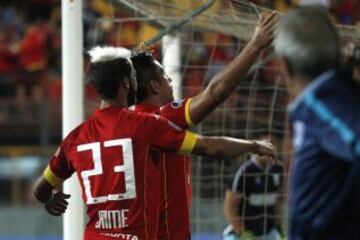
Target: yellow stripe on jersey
x=188 y=143
x=187 y=113
x=52 y=178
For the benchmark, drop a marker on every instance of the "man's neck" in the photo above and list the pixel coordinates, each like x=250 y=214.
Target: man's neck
x=153 y=101
x=299 y=83
x=112 y=103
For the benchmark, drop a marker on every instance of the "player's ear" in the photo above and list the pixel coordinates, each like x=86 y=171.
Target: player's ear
x=285 y=65
x=126 y=83
x=286 y=71
x=154 y=86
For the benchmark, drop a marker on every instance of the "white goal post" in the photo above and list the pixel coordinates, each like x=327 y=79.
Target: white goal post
x=72 y=106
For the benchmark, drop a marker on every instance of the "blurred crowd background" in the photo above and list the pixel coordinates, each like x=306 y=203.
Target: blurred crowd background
x=30 y=48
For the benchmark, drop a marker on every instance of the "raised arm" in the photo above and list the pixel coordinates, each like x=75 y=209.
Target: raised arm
x=226 y=147
x=164 y=135
x=226 y=81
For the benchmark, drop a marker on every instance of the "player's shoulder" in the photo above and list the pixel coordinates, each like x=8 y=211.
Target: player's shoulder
x=144 y=116
x=335 y=89
x=241 y=172
x=74 y=134
x=326 y=98
x=141 y=119
x=245 y=167
x=334 y=100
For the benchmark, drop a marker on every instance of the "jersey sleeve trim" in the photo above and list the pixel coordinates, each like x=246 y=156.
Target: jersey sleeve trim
x=189 y=122
x=52 y=178
x=188 y=143
x=325 y=114
x=237 y=177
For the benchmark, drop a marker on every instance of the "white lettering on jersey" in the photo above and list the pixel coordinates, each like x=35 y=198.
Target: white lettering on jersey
x=121 y=235
x=127 y=168
x=112 y=219
x=262 y=199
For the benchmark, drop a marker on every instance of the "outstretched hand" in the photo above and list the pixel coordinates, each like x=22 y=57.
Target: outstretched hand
x=57 y=204
x=265 y=147
x=264 y=31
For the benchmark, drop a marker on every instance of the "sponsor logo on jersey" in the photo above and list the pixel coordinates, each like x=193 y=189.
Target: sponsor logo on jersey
x=121 y=235
x=262 y=199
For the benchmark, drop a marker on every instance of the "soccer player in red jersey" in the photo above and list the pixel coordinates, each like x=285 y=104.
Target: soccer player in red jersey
x=154 y=95
x=109 y=153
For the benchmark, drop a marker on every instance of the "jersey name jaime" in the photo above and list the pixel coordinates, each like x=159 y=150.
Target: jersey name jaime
x=112 y=219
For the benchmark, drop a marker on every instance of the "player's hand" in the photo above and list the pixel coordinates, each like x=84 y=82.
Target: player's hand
x=280 y=230
x=264 y=31
x=57 y=204
x=265 y=147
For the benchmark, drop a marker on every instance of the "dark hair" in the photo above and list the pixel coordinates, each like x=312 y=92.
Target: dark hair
x=146 y=71
x=108 y=75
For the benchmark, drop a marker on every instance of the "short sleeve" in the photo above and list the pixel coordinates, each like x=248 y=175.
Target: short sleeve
x=167 y=136
x=178 y=112
x=59 y=168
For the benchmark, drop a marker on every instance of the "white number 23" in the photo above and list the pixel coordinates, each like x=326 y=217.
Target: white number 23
x=127 y=168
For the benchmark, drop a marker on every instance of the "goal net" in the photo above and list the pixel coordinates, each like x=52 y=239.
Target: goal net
x=211 y=34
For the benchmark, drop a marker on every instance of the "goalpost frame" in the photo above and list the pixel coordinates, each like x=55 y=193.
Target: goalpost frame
x=171 y=61
x=72 y=106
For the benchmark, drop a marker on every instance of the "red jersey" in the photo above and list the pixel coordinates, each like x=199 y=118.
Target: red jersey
x=174 y=220
x=119 y=180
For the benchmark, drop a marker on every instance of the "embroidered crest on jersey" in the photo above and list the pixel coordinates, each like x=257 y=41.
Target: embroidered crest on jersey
x=177 y=103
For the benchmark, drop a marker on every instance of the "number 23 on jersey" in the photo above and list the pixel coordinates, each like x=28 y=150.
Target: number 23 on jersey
x=127 y=169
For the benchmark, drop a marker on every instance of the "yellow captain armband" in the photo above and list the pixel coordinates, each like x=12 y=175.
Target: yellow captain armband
x=187 y=113
x=52 y=178
x=188 y=143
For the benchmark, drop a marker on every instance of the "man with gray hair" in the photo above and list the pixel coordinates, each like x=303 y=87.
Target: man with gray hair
x=325 y=183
